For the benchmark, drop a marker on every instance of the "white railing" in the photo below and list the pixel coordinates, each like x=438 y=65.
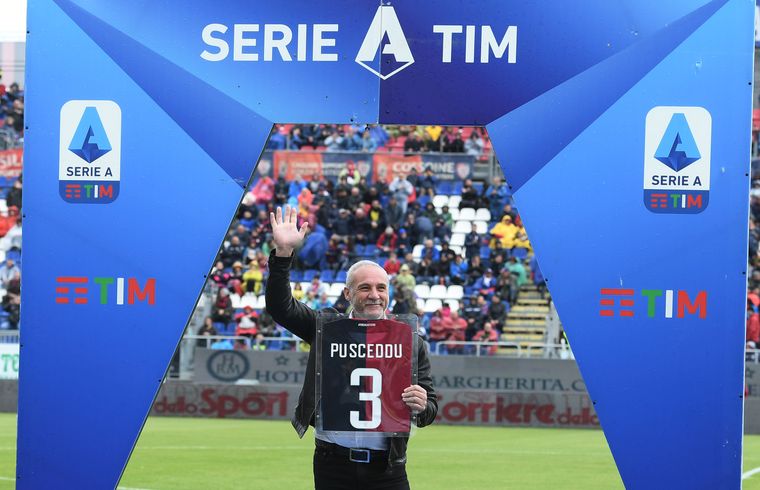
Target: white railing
x=519 y=349
x=268 y=341
x=9 y=337
x=752 y=355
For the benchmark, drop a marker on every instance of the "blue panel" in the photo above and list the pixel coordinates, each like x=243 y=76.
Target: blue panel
x=668 y=391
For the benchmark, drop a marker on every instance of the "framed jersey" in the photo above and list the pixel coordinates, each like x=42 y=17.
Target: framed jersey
x=362 y=368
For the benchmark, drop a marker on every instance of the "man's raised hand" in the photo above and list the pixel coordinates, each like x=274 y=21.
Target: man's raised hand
x=285 y=233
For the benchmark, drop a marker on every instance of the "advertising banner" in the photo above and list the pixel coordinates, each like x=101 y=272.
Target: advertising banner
x=445 y=166
x=9 y=361
x=11 y=162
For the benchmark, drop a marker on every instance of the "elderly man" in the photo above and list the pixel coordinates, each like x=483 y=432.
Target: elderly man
x=367 y=291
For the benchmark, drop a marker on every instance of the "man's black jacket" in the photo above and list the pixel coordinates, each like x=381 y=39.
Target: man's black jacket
x=302 y=321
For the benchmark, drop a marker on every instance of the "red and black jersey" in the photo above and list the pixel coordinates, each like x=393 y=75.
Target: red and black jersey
x=366 y=365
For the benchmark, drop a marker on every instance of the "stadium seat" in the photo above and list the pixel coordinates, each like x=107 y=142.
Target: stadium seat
x=235 y=300
x=457 y=249
x=457 y=240
x=296 y=276
x=336 y=289
x=327 y=275
x=261 y=303
x=432 y=305
x=305 y=285
x=417 y=252
x=467 y=214
x=453 y=305
x=483 y=214
x=249 y=299
x=482 y=227
x=437 y=291
x=462 y=227
x=439 y=201
x=341 y=276
x=455 y=200
x=454 y=212
x=485 y=252
x=309 y=274
x=422 y=291
x=454 y=291
x=519 y=253
x=478 y=186
x=371 y=251
x=359 y=250
x=444 y=187
x=458 y=186
x=420 y=304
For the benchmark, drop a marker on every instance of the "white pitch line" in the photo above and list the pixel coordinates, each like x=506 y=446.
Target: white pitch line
x=131 y=488
x=750 y=473
x=5 y=478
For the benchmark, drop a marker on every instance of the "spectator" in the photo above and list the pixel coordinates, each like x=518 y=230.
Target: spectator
x=472 y=242
x=317 y=287
x=402 y=189
x=446 y=216
x=312 y=254
x=516 y=268
x=351 y=174
x=392 y=266
x=458 y=271
x=753 y=327
x=487 y=334
x=322 y=302
x=404 y=300
x=277 y=140
x=394 y=215
x=429 y=250
x=453 y=143
x=223 y=307
x=413 y=144
x=11 y=302
x=474 y=144
x=361 y=227
x=386 y=242
x=442 y=232
x=497 y=196
x=505 y=232
x=403 y=243
x=219 y=275
x=7 y=272
x=233 y=252
x=470 y=198
x=334 y=142
x=298 y=292
x=497 y=310
x=253 y=278
x=486 y=285
x=14 y=195
x=473 y=314
x=405 y=279
x=368 y=144
x=206 y=330
x=377 y=222
x=438 y=328
x=428 y=183
x=427 y=270
x=259 y=343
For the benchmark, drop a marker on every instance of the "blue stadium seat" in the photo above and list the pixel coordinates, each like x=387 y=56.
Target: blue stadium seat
x=296 y=276
x=309 y=274
x=371 y=251
x=478 y=186
x=444 y=188
x=341 y=276
x=485 y=252
x=519 y=253
x=220 y=327
x=327 y=275
x=381 y=262
x=458 y=188
x=359 y=249
x=230 y=330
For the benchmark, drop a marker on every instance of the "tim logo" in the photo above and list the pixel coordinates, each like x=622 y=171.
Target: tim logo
x=90 y=151
x=83 y=290
x=385 y=24
x=662 y=303
x=677 y=160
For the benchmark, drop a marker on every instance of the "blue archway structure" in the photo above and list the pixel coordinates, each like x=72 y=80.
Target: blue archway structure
x=622 y=127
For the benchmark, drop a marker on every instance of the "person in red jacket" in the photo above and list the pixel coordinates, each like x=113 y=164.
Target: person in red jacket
x=386 y=242
x=392 y=265
x=753 y=327
x=487 y=334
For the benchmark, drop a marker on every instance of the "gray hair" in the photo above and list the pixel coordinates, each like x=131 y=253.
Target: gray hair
x=352 y=270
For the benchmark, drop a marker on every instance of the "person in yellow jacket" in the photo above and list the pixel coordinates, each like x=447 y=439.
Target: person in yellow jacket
x=505 y=231
x=253 y=278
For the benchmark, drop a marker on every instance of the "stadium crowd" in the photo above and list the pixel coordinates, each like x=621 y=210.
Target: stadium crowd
x=406 y=225
x=11 y=116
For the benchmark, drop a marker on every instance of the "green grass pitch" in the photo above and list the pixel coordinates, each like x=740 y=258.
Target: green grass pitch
x=185 y=453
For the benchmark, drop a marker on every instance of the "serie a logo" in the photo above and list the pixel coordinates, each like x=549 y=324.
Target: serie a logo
x=90 y=151
x=677 y=160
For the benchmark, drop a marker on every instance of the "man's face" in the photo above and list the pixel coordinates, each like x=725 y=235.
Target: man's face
x=368 y=293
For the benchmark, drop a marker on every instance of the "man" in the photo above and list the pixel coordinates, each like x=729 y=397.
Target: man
x=367 y=291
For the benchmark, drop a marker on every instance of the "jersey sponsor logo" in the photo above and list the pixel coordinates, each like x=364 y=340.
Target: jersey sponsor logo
x=89 y=167
x=677 y=160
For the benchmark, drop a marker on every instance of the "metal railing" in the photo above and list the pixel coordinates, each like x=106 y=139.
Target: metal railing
x=269 y=342
x=518 y=349
x=9 y=337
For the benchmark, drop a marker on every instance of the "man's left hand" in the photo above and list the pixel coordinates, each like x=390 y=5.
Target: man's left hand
x=415 y=398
